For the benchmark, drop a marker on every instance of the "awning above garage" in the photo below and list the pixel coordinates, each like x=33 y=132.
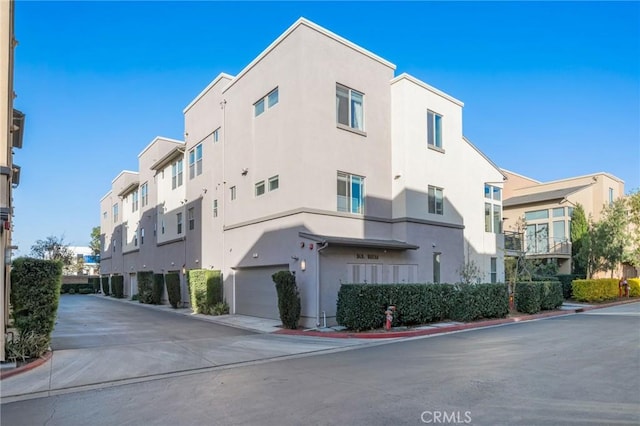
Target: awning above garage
x=359 y=242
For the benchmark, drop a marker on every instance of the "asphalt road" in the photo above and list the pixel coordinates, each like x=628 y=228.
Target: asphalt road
x=576 y=369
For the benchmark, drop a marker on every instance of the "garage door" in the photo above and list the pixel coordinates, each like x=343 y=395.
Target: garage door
x=256 y=292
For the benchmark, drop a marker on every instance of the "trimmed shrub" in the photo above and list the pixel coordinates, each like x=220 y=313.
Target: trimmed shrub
x=86 y=290
x=205 y=290
x=76 y=288
x=105 y=284
x=35 y=291
x=361 y=306
x=145 y=286
x=94 y=282
x=551 y=296
x=117 y=286
x=172 y=280
x=595 y=290
x=289 y=305
x=528 y=297
x=25 y=346
x=634 y=286
x=220 y=308
x=566 y=280
x=158 y=289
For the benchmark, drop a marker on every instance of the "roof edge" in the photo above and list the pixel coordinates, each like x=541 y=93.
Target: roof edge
x=156 y=139
x=418 y=82
x=206 y=89
x=464 y=138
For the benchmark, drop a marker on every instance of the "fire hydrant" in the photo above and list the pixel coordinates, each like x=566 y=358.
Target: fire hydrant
x=389 y=313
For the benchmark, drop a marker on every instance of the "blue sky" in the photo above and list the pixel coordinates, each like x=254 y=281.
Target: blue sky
x=551 y=90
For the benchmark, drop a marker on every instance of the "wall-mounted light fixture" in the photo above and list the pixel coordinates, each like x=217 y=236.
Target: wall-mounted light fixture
x=254 y=255
x=296 y=258
x=303 y=265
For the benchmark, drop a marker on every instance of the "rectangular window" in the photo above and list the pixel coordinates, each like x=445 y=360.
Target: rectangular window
x=436 y=268
x=559 y=232
x=144 y=194
x=216 y=135
x=570 y=211
x=274 y=183
x=267 y=102
x=349 y=107
x=487 y=217
x=104 y=215
x=558 y=212
x=610 y=196
x=135 y=238
x=350 y=193
x=537 y=238
x=134 y=201
x=179 y=222
x=115 y=213
x=141 y=236
x=497 y=219
x=494 y=270
x=192 y=164
x=497 y=193
x=233 y=192
x=259 y=188
x=162 y=226
x=536 y=214
x=434 y=129
x=191 y=218
x=435 y=200
x=487 y=191
x=195 y=161
x=176 y=174
x=215 y=208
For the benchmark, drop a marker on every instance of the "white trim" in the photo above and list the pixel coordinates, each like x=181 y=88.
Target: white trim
x=300 y=22
x=122 y=173
x=206 y=89
x=405 y=76
x=160 y=138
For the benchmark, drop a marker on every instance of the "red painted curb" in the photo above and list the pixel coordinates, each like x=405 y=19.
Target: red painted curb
x=8 y=373
x=436 y=330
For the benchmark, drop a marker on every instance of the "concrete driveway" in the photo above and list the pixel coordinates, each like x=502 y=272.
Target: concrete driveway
x=101 y=342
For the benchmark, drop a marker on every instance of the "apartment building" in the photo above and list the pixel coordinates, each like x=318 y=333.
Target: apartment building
x=541 y=211
x=316 y=159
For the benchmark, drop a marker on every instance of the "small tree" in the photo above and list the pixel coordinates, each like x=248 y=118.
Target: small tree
x=95 y=245
x=632 y=253
x=579 y=230
x=53 y=248
x=469 y=272
x=289 y=304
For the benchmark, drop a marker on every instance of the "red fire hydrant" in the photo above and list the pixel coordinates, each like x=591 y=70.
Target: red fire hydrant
x=389 y=313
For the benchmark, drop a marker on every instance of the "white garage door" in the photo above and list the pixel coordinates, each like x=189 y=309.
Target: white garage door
x=256 y=292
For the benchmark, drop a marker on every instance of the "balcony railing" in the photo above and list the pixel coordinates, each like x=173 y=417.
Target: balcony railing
x=539 y=246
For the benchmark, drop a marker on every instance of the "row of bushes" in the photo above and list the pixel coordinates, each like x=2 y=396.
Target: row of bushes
x=205 y=290
x=634 y=287
x=150 y=287
x=77 y=288
x=535 y=296
x=35 y=292
x=362 y=306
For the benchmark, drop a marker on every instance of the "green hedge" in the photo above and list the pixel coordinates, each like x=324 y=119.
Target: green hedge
x=532 y=297
x=205 y=288
x=95 y=283
x=84 y=288
x=595 y=290
x=158 y=289
x=551 y=297
x=172 y=281
x=35 y=291
x=566 y=280
x=362 y=306
x=289 y=305
x=117 y=286
x=105 y=285
x=145 y=287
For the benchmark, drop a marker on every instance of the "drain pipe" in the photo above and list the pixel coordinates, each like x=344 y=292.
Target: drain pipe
x=324 y=246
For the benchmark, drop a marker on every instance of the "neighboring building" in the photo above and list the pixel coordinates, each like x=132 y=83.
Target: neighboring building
x=316 y=159
x=84 y=261
x=11 y=134
x=544 y=209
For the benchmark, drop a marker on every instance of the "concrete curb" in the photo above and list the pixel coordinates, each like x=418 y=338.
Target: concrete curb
x=30 y=366
x=446 y=329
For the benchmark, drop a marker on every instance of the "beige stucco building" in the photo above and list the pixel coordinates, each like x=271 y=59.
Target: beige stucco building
x=11 y=134
x=545 y=209
x=316 y=158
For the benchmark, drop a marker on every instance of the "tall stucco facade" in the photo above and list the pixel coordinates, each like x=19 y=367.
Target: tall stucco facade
x=316 y=159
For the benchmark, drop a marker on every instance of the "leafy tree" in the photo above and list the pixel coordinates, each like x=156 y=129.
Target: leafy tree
x=632 y=254
x=53 y=248
x=94 y=245
x=469 y=272
x=579 y=228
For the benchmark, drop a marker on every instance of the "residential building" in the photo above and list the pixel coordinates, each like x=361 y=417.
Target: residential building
x=537 y=215
x=316 y=159
x=11 y=134
x=84 y=261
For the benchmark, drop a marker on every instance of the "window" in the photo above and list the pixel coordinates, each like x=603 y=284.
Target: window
x=267 y=102
x=104 y=215
x=215 y=208
x=233 y=192
x=497 y=219
x=610 y=196
x=487 y=218
x=494 y=270
x=176 y=174
x=349 y=107
x=274 y=183
x=492 y=209
x=195 y=162
x=141 y=236
x=179 y=222
x=434 y=129
x=435 y=200
x=558 y=212
x=537 y=238
x=436 y=268
x=559 y=232
x=162 y=227
x=135 y=238
x=216 y=135
x=259 y=188
x=350 y=193
x=134 y=201
x=191 y=218
x=144 y=194
x=115 y=212
x=536 y=214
